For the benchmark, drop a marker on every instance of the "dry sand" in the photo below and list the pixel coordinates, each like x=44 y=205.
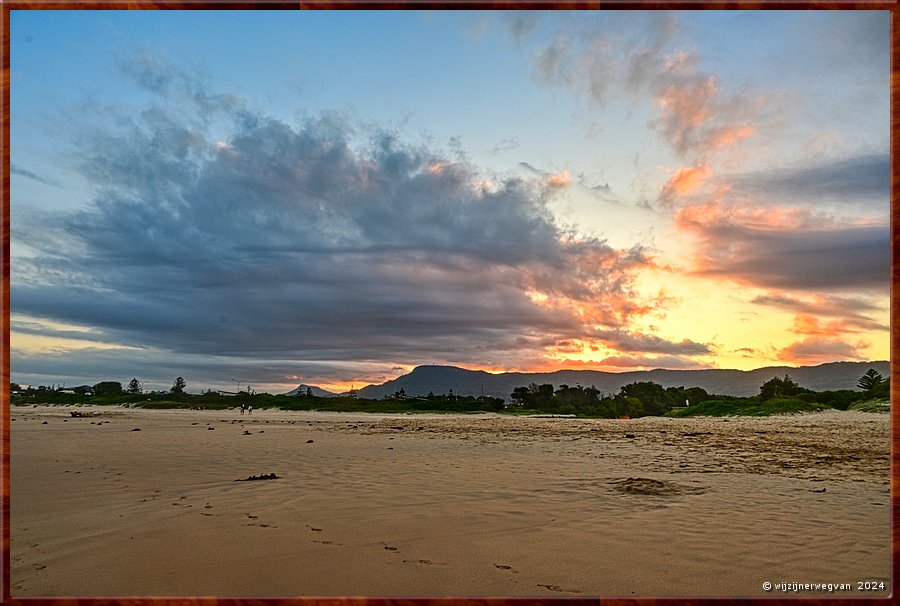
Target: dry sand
x=463 y=505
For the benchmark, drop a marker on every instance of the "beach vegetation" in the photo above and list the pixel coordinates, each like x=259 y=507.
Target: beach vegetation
x=870 y=380
x=633 y=400
x=107 y=387
x=840 y=399
x=747 y=407
x=652 y=399
x=778 y=388
x=877 y=405
x=179 y=385
x=882 y=390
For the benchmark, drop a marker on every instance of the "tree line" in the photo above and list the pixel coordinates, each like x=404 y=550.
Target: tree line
x=135 y=386
x=779 y=394
x=638 y=399
x=646 y=398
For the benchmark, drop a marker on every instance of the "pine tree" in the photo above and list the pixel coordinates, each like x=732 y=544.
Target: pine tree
x=870 y=380
x=134 y=386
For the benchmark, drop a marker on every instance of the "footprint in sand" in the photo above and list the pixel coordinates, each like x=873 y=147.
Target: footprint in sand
x=505 y=567
x=429 y=562
x=558 y=588
x=653 y=487
x=389 y=548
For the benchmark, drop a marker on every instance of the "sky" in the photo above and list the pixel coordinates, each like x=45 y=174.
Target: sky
x=333 y=198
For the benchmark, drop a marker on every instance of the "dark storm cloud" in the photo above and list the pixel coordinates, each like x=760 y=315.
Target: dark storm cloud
x=852 y=180
x=26 y=326
x=848 y=258
x=782 y=229
x=309 y=242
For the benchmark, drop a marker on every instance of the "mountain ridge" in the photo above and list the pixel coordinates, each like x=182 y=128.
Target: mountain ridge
x=316 y=391
x=441 y=379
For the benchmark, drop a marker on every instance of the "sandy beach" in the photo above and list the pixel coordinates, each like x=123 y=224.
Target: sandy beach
x=463 y=505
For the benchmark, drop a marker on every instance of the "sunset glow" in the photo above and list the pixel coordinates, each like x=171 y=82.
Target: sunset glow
x=532 y=191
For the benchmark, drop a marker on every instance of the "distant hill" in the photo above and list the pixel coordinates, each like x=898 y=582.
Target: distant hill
x=443 y=379
x=316 y=391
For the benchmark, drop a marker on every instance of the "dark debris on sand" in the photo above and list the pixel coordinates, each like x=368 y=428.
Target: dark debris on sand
x=265 y=476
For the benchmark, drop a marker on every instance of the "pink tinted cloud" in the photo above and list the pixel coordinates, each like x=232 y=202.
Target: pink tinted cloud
x=729 y=135
x=685 y=180
x=818 y=350
x=785 y=248
x=805 y=324
x=559 y=180
x=717 y=213
x=695 y=115
x=812 y=310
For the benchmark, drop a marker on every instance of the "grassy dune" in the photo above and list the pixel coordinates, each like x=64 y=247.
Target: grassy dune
x=723 y=408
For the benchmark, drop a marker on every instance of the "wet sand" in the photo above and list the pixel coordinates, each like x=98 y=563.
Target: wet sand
x=462 y=505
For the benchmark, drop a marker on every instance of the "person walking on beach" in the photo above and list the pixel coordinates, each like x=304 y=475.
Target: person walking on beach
x=249 y=409
x=243 y=406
